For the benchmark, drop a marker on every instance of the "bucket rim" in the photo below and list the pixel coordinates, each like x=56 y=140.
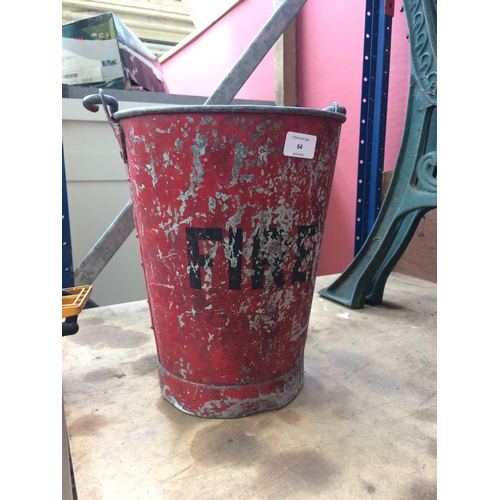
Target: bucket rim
x=332 y=113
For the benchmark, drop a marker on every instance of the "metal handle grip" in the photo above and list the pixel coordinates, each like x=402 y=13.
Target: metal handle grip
x=336 y=108
x=91 y=102
x=110 y=106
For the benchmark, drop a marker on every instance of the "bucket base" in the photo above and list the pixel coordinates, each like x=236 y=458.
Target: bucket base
x=212 y=401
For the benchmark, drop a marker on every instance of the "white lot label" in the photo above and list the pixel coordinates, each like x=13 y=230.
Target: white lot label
x=301 y=145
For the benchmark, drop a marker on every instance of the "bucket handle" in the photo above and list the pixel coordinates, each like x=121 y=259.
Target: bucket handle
x=110 y=106
x=335 y=107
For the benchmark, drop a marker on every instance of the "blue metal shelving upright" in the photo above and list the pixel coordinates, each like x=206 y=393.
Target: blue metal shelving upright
x=374 y=93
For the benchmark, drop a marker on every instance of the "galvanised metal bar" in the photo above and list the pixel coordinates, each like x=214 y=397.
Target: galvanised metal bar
x=256 y=51
x=123 y=225
x=413 y=188
x=109 y=243
x=374 y=93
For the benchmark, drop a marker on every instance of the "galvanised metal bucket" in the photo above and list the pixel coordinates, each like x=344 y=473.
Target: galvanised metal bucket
x=229 y=205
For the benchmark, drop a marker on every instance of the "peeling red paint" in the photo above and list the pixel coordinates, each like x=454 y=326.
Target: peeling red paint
x=230 y=231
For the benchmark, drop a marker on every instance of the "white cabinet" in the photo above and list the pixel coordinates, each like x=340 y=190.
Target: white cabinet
x=97 y=191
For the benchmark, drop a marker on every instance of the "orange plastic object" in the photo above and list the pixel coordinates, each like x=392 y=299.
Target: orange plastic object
x=73 y=304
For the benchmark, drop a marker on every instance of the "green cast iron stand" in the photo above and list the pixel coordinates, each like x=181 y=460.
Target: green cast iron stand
x=413 y=188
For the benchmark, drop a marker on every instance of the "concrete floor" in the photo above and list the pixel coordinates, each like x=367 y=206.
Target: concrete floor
x=363 y=427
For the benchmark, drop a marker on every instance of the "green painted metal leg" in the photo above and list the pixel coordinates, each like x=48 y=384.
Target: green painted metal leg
x=405 y=233
x=413 y=188
x=375 y=290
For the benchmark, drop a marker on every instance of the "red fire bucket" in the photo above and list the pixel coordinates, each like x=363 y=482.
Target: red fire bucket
x=229 y=205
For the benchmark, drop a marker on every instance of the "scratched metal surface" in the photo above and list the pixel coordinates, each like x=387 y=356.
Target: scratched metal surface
x=364 y=425
x=230 y=231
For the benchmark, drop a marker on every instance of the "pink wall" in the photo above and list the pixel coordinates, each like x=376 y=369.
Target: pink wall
x=330 y=37
x=199 y=68
x=329 y=54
